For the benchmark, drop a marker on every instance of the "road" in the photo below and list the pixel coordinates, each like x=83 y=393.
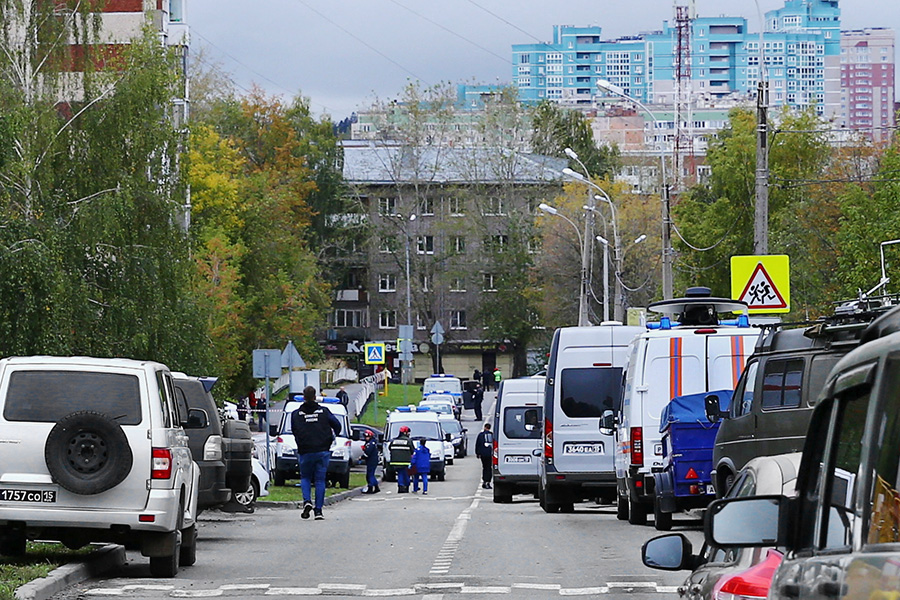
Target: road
x=453 y=543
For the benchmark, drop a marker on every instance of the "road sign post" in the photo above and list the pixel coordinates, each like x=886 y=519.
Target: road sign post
x=437 y=338
x=763 y=282
x=266 y=364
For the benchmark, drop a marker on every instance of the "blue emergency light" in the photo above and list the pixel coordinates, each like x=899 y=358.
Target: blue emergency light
x=411 y=408
x=331 y=400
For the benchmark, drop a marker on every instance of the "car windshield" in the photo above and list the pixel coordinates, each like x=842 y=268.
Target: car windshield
x=286 y=424
x=440 y=407
x=426 y=429
x=454 y=427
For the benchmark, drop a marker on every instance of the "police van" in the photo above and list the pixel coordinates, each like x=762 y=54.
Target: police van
x=584 y=379
x=286 y=465
x=442 y=383
x=423 y=423
x=518 y=422
x=690 y=351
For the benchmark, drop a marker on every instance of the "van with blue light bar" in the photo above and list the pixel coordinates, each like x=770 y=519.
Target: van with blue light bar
x=423 y=423
x=689 y=351
x=286 y=465
x=441 y=383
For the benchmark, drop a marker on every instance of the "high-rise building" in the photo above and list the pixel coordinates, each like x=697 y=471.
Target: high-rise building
x=867 y=81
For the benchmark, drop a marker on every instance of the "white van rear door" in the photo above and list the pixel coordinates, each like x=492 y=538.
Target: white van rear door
x=519 y=436
x=726 y=357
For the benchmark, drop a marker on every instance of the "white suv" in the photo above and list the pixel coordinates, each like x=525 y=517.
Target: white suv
x=93 y=450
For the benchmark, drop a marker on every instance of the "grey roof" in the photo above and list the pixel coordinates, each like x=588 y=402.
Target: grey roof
x=372 y=164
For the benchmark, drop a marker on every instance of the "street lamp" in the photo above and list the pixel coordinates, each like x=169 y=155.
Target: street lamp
x=582 y=242
x=620 y=258
x=667 y=251
x=406 y=366
x=587 y=248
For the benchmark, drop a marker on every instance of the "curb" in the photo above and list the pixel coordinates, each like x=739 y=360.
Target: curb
x=106 y=558
x=333 y=499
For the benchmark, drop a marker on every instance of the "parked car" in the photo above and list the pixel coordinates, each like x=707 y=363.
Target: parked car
x=358 y=439
x=95 y=451
x=457 y=437
x=721 y=570
x=584 y=381
x=286 y=465
x=780 y=384
x=443 y=404
x=689 y=351
x=518 y=423
x=443 y=384
x=258 y=487
x=223 y=451
x=841 y=531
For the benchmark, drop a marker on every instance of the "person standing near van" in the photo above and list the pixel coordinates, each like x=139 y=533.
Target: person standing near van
x=477 y=399
x=370 y=451
x=402 y=449
x=421 y=464
x=314 y=428
x=484 y=449
x=498 y=376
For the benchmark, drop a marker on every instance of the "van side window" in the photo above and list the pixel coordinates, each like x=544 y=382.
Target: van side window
x=818 y=373
x=587 y=392
x=742 y=401
x=840 y=518
x=782 y=381
x=521 y=423
x=163 y=400
x=884 y=501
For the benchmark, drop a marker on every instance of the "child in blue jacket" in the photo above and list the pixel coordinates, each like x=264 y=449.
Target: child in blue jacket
x=421 y=460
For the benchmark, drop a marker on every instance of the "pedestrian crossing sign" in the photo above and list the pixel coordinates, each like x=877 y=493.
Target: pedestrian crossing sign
x=763 y=282
x=374 y=353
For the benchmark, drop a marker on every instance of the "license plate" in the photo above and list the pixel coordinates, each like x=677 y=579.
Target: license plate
x=584 y=448
x=710 y=489
x=28 y=496
x=517 y=459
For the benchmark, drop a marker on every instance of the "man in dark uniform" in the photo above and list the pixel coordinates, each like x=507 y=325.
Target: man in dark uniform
x=484 y=449
x=477 y=399
x=314 y=428
x=370 y=451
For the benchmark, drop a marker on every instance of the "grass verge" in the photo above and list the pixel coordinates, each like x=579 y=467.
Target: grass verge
x=398 y=395
x=291 y=493
x=38 y=561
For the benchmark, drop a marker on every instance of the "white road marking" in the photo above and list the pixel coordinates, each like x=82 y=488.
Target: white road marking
x=196 y=593
x=391 y=593
x=292 y=591
x=244 y=586
x=592 y=591
x=486 y=590
x=537 y=586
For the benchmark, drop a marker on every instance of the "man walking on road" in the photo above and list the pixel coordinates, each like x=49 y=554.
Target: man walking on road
x=314 y=428
x=484 y=449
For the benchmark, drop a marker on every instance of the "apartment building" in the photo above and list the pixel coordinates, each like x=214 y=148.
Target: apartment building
x=868 y=75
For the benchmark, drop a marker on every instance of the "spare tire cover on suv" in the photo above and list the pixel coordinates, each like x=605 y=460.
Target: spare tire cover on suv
x=87 y=453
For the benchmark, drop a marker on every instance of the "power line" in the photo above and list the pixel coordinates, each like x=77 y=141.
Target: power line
x=363 y=42
x=238 y=61
x=450 y=31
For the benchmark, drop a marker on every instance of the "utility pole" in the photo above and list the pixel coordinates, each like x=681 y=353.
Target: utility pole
x=583 y=300
x=761 y=222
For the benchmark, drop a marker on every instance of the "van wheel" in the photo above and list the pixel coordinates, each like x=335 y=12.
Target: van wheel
x=279 y=478
x=567 y=507
x=637 y=513
x=621 y=508
x=344 y=480
x=87 y=453
x=441 y=476
x=247 y=498
x=390 y=475
x=662 y=521
x=502 y=494
x=188 y=555
x=13 y=543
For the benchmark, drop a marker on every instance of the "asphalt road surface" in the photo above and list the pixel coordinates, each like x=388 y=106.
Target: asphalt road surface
x=453 y=543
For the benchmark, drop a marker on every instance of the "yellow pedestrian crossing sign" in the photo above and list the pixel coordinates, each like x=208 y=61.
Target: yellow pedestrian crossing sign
x=763 y=282
x=374 y=353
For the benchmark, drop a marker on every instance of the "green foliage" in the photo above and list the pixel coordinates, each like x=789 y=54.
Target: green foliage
x=557 y=128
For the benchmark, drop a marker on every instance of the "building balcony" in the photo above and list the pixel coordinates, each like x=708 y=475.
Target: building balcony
x=351 y=296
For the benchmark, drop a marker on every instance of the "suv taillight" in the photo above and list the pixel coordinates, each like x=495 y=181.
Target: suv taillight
x=494 y=454
x=637 y=446
x=212 y=449
x=161 y=467
x=548 y=439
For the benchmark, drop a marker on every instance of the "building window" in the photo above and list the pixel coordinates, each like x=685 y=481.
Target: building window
x=426 y=206
x=387 y=244
x=496 y=243
x=493 y=206
x=456 y=207
x=387 y=206
x=349 y=318
x=457 y=319
x=534 y=246
x=458 y=284
x=424 y=320
x=387 y=282
x=489 y=285
x=459 y=244
x=524 y=59
x=387 y=319
x=425 y=244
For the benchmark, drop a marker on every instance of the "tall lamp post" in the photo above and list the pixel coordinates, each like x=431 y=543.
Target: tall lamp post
x=667 y=252
x=582 y=295
x=405 y=370
x=586 y=247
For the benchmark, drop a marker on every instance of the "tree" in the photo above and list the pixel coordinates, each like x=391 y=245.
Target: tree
x=557 y=128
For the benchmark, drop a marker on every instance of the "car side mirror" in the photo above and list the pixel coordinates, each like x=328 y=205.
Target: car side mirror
x=355 y=435
x=197 y=419
x=713 y=410
x=273 y=430
x=464 y=430
x=608 y=422
x=448 y=437
x=750 y=522
x=668 y=552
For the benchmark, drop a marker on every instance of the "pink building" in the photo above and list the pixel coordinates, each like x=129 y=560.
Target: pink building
x=867 y=81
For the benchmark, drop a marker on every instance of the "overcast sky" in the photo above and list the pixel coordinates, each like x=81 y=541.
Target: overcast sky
x=343 y=54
